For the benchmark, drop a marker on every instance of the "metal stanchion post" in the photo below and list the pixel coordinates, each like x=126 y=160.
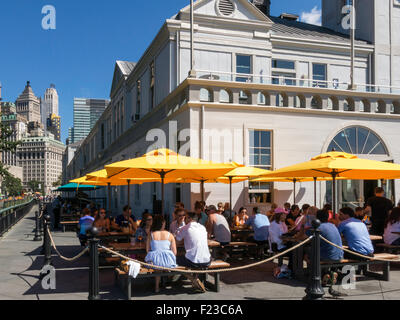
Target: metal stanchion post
x=314 y=289
x=47 y=244
x=37 y=229
x=94 y=286
x=41 y=222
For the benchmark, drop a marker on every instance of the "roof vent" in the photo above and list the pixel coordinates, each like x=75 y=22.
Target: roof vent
x=226 y=7
x=289 y=16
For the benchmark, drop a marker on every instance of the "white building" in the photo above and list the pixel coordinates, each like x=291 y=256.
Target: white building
x=268 y=92
x=40 y=156
x=49 y=104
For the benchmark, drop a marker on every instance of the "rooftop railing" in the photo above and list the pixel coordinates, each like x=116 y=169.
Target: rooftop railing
x=291 y=81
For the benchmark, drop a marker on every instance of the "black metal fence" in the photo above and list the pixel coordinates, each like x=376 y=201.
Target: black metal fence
x=10 y=216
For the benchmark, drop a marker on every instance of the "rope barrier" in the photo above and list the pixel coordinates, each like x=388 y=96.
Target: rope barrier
x=151 y=266
x=60 y=255
x=357 y=254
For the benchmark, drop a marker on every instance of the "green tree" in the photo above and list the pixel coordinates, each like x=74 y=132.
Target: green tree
x=12 y=185
x=58 y=182
x=35 y=186
x=6 y=133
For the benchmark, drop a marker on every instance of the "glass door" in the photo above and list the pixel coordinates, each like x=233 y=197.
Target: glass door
x=351 y=193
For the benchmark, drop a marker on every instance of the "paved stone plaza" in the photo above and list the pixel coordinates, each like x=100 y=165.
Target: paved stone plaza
x=21 y=263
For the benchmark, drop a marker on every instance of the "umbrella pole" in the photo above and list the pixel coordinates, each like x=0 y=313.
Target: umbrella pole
x=294 y=191
x=162 y=174
x=334 y=174
x=129 y=193
x=109 y=198
x=230 y=197
x=202 y=190
x=315 y=191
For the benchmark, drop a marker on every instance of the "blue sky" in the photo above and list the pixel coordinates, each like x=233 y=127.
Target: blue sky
x=79 y=56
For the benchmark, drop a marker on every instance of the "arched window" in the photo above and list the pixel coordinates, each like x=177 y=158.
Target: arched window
x=358 y=140
x=381 y=108
x=282 y=100
x=333 y=103
x=349 y=105
x=225 y=96
x=205 y=95
x=300 y=101
x=395 y=107
x=316 y=102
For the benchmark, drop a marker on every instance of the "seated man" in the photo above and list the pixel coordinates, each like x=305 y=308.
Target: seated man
x=328 y=251
x=125 y=220
x=85 y=224
x=260 y=224
x=218 y=226
x=197 y=254
x=355 y=233
x=331 y=233
x=202 y=216
x=179 y=222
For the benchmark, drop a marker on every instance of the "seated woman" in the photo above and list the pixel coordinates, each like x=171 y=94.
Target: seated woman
x=102 y=223
x=393 y=225
x=144 y=229
x=241 y=218
x=277 y=229
x=160 y=247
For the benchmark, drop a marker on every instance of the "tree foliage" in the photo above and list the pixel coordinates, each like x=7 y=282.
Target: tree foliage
x=6 y=144
x=12 y=185
x=35 y=186
x=58 y=182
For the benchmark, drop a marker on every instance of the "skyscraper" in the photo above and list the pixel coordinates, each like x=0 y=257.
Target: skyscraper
x=86 y=114
x=49 y=104
x=28 y=105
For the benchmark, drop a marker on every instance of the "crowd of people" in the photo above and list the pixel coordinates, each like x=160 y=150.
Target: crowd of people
x=270 y=229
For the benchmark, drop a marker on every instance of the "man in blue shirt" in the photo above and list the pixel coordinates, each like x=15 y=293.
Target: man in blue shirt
x=85 y=224
x=331 y=233
x=260 y=224
x=355 y=233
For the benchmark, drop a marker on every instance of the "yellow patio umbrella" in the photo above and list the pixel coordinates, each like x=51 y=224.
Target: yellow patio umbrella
x=99 y=178
x=239 y=174
x=340 y=165
x=168 y=166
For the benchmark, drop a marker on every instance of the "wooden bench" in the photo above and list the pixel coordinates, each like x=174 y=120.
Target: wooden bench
x=69 y=224
x=387 y=248
x=237 y=247
x=124 y=281
x=366 y=263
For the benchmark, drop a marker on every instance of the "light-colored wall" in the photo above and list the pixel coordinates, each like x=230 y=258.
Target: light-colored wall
x=296 y=138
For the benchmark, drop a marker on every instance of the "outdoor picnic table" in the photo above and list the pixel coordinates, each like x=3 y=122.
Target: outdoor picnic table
x=298 y=255
x=140 y=246
x=241 y=232
x=114 y=236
